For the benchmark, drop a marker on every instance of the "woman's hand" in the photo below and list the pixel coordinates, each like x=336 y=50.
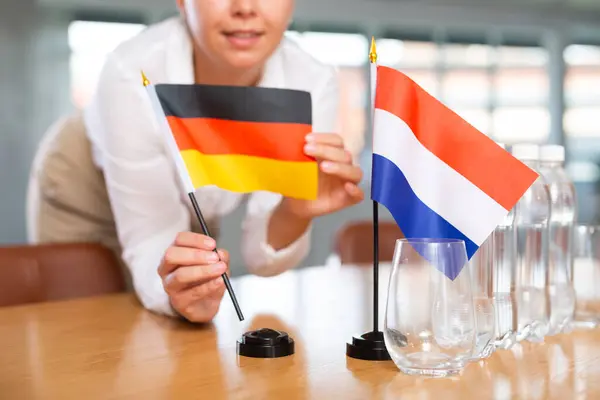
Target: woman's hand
x=338 y=178
x=191 y=275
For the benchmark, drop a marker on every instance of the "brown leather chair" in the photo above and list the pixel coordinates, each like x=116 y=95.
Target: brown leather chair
x=354 y=242
x=37 y=273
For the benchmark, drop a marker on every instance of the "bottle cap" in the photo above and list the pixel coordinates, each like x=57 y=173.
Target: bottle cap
x=526 y=151
x=552 y=152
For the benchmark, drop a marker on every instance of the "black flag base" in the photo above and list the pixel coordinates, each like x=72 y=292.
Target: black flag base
x=368 y=346
x=265 y=343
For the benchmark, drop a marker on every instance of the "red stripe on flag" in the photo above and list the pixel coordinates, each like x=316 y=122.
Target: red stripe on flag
x=453 y=140
x=279 y=141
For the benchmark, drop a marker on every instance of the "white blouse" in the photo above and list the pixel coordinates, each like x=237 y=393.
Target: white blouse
x=148 y=202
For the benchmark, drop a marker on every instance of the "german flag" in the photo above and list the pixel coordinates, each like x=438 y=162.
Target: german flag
x=241 y=139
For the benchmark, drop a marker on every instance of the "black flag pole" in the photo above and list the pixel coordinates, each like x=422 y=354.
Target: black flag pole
x=206 y=232
x=375 y=266
x=371 y=345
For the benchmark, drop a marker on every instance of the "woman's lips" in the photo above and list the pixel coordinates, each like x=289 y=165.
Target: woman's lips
x=243 y=39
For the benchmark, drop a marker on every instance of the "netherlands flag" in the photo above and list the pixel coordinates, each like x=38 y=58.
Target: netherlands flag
x=439 y=177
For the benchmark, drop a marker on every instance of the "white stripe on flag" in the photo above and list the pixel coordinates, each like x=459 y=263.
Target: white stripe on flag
x=436 y=184
x=186 y=181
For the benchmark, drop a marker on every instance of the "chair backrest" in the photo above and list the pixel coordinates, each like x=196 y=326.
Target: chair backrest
x=354 y=242
x=38 y=273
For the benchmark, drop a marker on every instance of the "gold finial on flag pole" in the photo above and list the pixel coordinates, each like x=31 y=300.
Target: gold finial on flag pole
x=145 y=80
x=373 y=51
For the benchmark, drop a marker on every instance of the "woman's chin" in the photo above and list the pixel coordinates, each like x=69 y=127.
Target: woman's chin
x=245 y=61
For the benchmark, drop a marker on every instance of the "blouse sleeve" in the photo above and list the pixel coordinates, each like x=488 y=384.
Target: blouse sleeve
x=140 y=178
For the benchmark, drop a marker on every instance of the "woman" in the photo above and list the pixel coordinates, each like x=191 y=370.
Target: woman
x=226 y=42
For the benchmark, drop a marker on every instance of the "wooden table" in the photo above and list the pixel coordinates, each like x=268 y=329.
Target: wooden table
x=109 y=347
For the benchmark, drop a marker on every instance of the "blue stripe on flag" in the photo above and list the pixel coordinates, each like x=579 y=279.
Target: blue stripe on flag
x=417 y=221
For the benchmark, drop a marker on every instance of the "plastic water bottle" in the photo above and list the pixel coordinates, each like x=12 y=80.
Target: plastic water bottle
x=562 y=220
x=483 y=300
x=532 y=224
x=504 y=264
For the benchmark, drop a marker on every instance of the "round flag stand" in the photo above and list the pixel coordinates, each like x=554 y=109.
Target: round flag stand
x=368 y=346
x=265 y=343
x=371 y=345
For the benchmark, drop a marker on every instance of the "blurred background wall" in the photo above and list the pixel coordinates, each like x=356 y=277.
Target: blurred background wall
x=520 y=71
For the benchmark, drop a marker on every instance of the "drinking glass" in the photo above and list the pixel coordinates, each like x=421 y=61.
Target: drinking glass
x=429 y=326
x=586 y=275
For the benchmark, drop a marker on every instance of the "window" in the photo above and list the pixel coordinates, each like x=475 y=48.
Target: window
x=407 y=54
x=581 y=55
x=480 y=118
x=427 y=79
x=582 y=91
x=522 y=86
x=339 y=49
x=521 y=124
x=582 y=121
x=467 y=55
x=522 y=90
x=582 y=86
x=90 y=42
x=414 y=58
x=349 y=53
x=520 y=56
x=353 y=107
x=466 y=88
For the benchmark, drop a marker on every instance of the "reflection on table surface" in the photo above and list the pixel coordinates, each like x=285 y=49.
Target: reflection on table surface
x=109 y=347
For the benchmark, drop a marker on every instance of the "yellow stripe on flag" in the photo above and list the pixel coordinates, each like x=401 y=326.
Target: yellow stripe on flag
x=244 y=174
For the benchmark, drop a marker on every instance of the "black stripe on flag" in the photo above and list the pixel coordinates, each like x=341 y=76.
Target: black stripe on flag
x=237 y=103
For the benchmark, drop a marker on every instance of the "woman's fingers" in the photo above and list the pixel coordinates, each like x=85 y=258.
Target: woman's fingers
x=191 y=272
x=354 y=191
x=184 y=256
x=214 y=288
x=194 y=240
x=224 y=256
x=187 y=276
x=346 y=172
x=334 y=159
x=328 y=146
x=328 y=153
x=199 y=303
x=331 y=139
